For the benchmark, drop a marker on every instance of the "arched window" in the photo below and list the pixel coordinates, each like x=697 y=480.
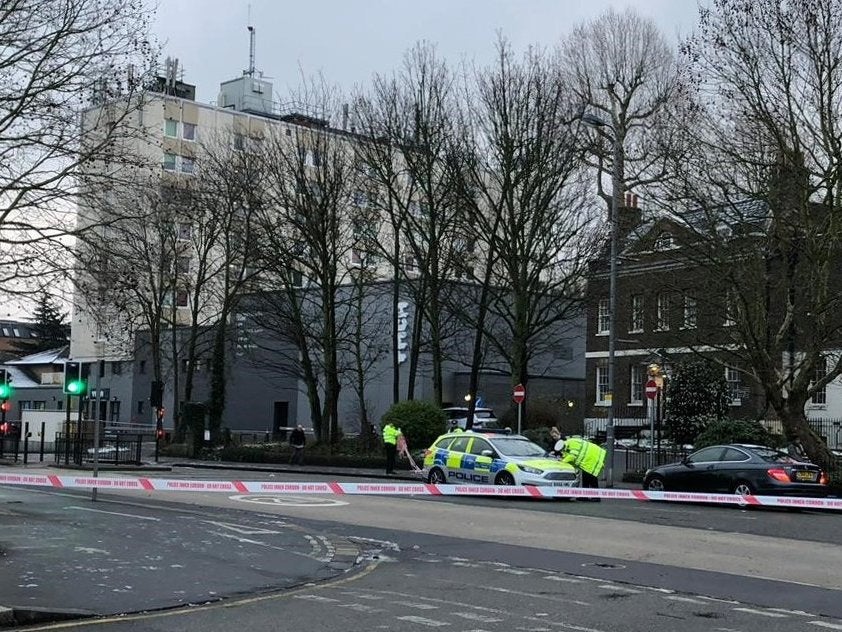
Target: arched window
x=664 y=241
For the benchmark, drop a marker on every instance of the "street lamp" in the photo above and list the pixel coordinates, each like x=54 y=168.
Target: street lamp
x=595 y=121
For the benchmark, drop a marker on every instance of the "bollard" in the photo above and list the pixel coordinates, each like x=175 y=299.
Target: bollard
x=26 y=443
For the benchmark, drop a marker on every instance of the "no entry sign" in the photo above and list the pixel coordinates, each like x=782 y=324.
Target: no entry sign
x=519 y=394
x=651 y=389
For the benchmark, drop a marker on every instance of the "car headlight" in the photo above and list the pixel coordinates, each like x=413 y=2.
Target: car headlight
x=530 y=470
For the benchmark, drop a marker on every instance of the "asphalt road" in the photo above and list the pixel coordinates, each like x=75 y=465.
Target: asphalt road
x=470 y=564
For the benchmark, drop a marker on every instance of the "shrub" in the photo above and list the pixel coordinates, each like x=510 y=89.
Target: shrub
x=737 y=431
x=698 y=396
x=421 y=422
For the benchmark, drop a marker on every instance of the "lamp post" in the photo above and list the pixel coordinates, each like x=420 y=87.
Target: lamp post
x=616 y=186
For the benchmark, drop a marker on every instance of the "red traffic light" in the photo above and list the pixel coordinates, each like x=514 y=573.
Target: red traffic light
x=4 y=428
x=6 y=406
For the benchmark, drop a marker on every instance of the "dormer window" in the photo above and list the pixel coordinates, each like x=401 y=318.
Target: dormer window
x=664 y=242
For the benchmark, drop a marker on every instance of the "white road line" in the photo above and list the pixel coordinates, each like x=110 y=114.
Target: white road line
x=825 y=624
x=115 y=513
x=762 y=613
x=532 y=595
x=633 y=591
x=684 y=599
x=796 y=613
x=318 y=598
x=473 y=616
x=417 y=606
x=360 y=607
x=430 y=623
x=564 y=626
x=511 y=571
x=560 y=578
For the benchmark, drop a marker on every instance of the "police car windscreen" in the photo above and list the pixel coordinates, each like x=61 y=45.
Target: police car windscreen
x=515 y=446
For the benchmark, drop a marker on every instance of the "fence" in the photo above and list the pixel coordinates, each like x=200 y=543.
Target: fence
x=116 y=449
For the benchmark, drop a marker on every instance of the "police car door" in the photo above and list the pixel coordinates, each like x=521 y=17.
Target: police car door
x=481 y=462
x=457 y=468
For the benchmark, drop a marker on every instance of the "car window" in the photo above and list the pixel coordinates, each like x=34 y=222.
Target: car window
x=460 y=445
x=770 y=455
x=479 y=445
x=706 y=455
x=442 y=444
x=733 y=455
x=518 y=446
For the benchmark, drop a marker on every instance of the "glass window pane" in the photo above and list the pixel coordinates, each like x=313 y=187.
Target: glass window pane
x=188 y=131
x=171 y=128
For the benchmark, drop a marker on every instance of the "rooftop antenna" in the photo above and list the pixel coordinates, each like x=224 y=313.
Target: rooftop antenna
x=252 y=32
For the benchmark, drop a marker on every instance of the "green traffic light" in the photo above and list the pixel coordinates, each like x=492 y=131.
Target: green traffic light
x=75 y=387
x=5 y=391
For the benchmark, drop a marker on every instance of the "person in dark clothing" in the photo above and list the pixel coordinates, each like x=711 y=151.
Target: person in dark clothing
x=555 y=437
x=297 y=441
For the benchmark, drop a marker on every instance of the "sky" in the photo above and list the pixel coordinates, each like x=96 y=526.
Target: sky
x=350 y=40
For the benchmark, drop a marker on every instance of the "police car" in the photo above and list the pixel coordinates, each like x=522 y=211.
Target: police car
x=494 y=459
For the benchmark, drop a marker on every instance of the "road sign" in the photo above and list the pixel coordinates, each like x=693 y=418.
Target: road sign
x=519 y=394
x=651 y=389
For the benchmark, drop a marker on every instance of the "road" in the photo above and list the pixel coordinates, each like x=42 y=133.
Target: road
x=484 y=564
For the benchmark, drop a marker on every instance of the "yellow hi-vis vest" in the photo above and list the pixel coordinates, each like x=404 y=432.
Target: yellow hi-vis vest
x=390 y=434
x=584 y=455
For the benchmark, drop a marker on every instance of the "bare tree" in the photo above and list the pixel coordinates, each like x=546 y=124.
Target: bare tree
x=527 y=209
x=57 y=58
x=307 y=241
x=761 y=194
x=409 y=119
x=620 y=68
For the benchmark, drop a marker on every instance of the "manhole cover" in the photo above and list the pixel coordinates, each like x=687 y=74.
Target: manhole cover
x=290 y=500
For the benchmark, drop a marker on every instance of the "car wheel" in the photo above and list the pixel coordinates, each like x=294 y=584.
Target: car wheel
x=504 y=478
x=656 y=484
x=436 y=477
x=743 y=488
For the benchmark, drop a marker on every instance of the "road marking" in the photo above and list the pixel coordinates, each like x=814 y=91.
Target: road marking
x=417 y=606
x=762 y=613
x=288 y=501
x=511 y=571
x=242 y=528
x=559 y=578
x=796 y=613
x=360 y=607
x=319 y=598
x=684 y=599
x=114 y=513
x=825 y=624
x=430 y=623
x=633 y=591
x=563 y=625
x=473 y=616
x=534 y=596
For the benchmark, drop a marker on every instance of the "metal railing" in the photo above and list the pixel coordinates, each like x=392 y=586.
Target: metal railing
x=117 y=449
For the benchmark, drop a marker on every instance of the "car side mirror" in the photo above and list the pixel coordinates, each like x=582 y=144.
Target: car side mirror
x=487 y=453
x=686 y=461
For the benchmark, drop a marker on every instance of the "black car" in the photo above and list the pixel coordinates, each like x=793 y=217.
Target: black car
x=739 y=469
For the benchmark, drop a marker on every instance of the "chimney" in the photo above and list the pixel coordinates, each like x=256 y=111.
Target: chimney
x=630 y=215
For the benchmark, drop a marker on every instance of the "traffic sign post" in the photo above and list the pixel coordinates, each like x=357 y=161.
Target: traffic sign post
x=518 y=395
x=651 y=395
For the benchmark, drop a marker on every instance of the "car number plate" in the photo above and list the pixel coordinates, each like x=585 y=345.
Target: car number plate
x=564 y=483
x=805 y=476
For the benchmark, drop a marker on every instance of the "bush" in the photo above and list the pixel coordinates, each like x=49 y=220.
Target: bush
x=421 y=422
x=737 y=431
x=698 y=396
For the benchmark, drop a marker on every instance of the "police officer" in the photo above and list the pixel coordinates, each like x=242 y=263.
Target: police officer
x=390 y=441
x=587 y=457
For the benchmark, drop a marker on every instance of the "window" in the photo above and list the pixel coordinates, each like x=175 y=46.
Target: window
x=297 y=278
x=169 y=162
x=171 y=128
x=602 y=395
x=603 y=317
x=239 y=142
x=360 y=198
x=140 y=407
x=142 y=367
x=636 y=313
x=181 y=298
x=39 y=405
x=479 y=445
x=6 y=332
x=460 y=445
x=706 y=455
x=188 y=165
x=16 y=332
x=182 y=265
x=732 y=378
x=409 y=262
x=663 y=312
x=734 y=455
x=188 y=131
x=116 y=368
x=664 y=242
x=730 y=309
x=115 y=410
x=357 y=257
x=184 y=365
x=185 y=232
x=689 y=312
x=820 y=396
x=636 y=384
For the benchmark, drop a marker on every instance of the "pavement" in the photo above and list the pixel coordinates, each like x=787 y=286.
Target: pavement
x=61 y=558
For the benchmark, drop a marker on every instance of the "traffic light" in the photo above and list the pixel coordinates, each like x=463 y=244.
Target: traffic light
x=5 y=387
x=156 y=395
x=74 y=378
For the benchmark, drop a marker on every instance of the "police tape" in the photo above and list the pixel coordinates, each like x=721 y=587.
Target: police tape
x=403 y=489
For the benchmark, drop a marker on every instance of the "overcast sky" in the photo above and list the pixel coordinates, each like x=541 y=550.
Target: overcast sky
x=349 y=40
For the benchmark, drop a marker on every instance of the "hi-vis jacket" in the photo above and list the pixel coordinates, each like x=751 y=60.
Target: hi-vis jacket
x=390 y=434
x=584 y=455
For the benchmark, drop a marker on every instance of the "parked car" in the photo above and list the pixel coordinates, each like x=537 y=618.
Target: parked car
x=494 y=459
x=483 y=417
x=739 y=469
